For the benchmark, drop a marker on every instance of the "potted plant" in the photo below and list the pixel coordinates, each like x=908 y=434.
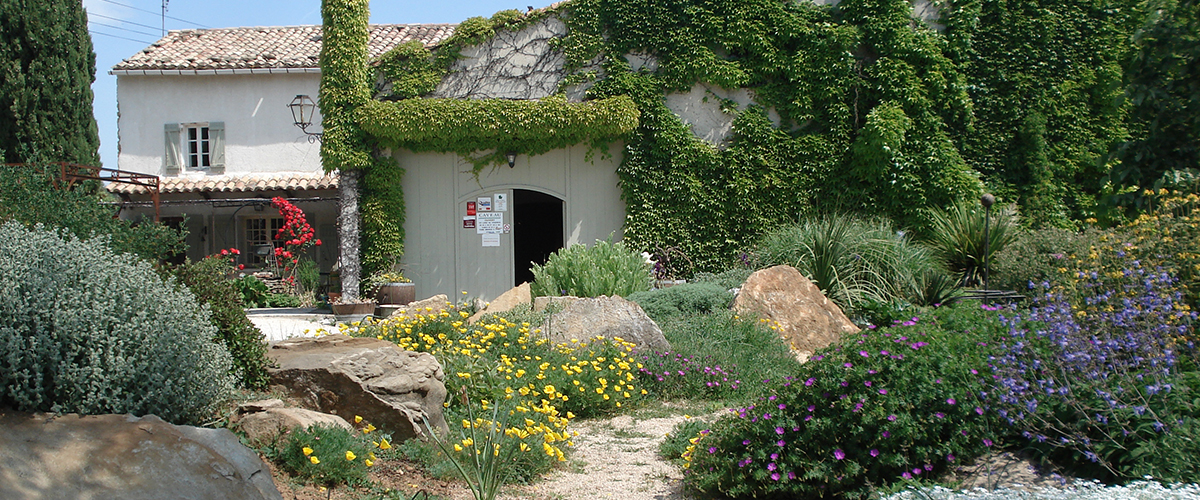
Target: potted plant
x=348 y=311
x=392 y=288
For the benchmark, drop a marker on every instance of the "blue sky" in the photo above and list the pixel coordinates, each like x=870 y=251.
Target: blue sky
x=120 y=28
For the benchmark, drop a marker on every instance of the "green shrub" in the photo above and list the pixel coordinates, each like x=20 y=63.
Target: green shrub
x=329 y=455
x=728 y=279
x=604 y=268
x=1038 y=255
x=209 y=282
x=879 y=408
x=683 y=300
x=956 y=237
x=252 y=290
x=680 y=438
x=30 y=195
x=281 y=300
x=851 y=260
x=84 y=330
x=715 y=356
x=308 y=274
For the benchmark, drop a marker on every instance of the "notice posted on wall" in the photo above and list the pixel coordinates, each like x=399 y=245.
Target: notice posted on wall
x=469 y=222
x=489 y=222
x=500 y=202
x=484 y=203
x=491 y=240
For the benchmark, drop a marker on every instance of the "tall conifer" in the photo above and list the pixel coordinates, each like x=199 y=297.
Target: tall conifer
x=47 y=66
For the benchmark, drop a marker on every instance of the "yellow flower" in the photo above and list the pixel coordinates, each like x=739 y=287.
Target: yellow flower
x=307 y=451
x=350 y=455
x=314 y=460
x=368 y=462
x=370 y=428
x=383 y=445
x=357 y=419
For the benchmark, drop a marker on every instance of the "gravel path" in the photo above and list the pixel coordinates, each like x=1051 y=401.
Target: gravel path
x=613 y=459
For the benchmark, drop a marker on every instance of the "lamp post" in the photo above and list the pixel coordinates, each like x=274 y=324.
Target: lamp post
x=987 y=201
x=303 y=108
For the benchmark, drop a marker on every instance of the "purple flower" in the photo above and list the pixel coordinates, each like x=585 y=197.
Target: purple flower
x=771 y=466
x=874 y=453
x=979 y=410
x=810 y=381
x=779 y=430
x=791 y=474
x=883 y=391
x=950 y=457
x=864 y=354
x=745 y=442
x=892 y=418
x=782 y=406
x=939 y=415
x=775 y=476
x=886 y=434
x=848 y=365
x=712 y=449
x=906 y=475
x=867 y=383
x=951 y=401
x=839 y=454
x=774 y=456
x=987 y=442
x=916 y=472
x=780 y=443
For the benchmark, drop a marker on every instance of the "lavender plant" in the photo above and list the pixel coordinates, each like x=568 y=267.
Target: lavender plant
x=1089 y=374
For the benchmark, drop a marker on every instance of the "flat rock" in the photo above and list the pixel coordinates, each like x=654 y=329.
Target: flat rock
x=514 y=297
x=806 y=320
x=346 y=376
x=579 y=318
x=126 y=457
x=264 y=426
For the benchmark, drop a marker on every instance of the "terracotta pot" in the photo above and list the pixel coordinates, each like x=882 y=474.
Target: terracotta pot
x=396 y=293
x=365 y=308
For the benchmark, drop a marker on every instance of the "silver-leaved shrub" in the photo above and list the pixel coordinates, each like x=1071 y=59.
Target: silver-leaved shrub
x=84 y=330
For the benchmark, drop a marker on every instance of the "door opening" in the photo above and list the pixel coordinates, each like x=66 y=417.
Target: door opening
x=537 y=230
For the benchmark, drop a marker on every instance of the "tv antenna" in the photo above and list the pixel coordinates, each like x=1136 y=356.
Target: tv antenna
x=164 y=17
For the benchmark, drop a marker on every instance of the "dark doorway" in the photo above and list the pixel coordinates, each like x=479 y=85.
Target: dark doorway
x=537 y=230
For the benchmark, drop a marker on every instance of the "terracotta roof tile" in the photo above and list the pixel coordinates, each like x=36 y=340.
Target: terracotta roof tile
x=286 y=47
x=235 y=183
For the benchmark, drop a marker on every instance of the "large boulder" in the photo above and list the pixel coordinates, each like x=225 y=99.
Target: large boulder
x=579 y=318
x=805 y=318
x=394 y=389
x=122 y=456
x=263 y=421
x=514 y=297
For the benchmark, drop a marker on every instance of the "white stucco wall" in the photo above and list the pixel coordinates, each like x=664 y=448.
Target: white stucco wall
x=259 y=133
x=442 y=257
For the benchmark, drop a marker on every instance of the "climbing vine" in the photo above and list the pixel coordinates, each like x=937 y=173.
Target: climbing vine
x=469 y=126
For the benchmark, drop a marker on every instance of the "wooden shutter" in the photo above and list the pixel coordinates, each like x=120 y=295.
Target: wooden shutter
x=216 y=145
x=172 y=160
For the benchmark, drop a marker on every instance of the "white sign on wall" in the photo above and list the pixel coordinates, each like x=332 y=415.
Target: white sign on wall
x=501 y=202
x=491 y=240
x=484 y=203
x=489 y=223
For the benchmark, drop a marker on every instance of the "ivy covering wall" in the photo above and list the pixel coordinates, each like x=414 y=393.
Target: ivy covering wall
x=858 y=107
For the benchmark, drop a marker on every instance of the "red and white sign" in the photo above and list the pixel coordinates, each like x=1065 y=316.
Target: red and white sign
x=468 y=222
x=470 y=208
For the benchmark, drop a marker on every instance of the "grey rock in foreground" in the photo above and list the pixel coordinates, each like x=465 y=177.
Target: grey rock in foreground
x=263 y=421
x=578 y=318
x=45 y=456
x=391 y=388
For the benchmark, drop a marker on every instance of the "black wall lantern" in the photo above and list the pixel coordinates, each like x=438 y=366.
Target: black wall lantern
x=511 y=156
x=303 y=108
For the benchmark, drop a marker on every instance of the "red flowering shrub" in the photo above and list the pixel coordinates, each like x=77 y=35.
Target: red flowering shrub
x=297 y=236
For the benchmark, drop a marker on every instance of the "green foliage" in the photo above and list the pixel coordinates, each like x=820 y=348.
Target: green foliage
x=1037 y=256
x=308 y=274
x=677 y=441
x=329 y=445
x=252 y=291
x=48 y=67
x=468 y=126
x=1046 y=86
x=715 y=356
x=683 y=300
x=902 y=403
x=850 y=260
x=409 y=69
x=344 y=84
x=383 y=216
x=28 y=194
x=209 y=281
x=727 y=279
x=605 y=268
x=1160 y=77
x=84 y=330
x=956 y=238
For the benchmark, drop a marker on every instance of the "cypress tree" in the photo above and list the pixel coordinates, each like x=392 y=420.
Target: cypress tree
x=47 y=66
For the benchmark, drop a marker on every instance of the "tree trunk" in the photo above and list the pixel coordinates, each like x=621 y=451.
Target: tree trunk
x=349 y=264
